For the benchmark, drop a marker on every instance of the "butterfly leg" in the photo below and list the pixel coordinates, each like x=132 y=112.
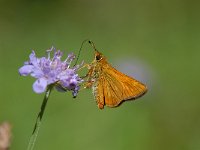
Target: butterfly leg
x=88 y=84
x=88 y=66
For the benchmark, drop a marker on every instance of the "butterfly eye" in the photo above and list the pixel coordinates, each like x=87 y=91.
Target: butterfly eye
x=98 y=57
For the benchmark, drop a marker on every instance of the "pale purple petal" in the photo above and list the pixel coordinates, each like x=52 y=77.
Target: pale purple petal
x=26 y=63
x=49 y=52
x=75 y=91
x=37 y=73
x=58 y=55
x=33 y=59
x=65 y=83
x=39 y=86
x=70 y=72
x=25 y=70
x=70 y=57
x=64 y=76
x=72 y=83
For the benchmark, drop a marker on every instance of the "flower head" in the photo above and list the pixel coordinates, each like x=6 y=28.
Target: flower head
x=53 y=70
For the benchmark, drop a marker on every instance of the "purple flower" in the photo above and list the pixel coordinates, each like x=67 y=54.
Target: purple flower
x=53 y=70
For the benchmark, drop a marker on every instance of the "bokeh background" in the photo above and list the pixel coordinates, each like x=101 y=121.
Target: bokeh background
x=156 y=41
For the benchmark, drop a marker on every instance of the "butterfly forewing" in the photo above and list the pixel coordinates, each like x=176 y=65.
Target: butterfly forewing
x=118 y=87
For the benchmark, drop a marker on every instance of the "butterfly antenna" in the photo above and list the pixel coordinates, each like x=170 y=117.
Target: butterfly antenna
x=92 y=44
x=79 y=52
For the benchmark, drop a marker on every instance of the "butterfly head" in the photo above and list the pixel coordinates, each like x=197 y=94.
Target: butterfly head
x=98 y=56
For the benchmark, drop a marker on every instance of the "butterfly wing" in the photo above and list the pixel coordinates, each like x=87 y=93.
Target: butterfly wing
x=114 y=87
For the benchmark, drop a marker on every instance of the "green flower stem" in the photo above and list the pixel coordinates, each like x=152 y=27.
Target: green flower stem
x=38 y=122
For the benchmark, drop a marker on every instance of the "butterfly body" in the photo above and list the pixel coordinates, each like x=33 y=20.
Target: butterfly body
x=111 y=87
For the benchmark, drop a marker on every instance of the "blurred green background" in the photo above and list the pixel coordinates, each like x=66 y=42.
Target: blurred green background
x=161 y=37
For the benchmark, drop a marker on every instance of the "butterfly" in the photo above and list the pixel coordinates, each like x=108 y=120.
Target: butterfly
x=111 y=87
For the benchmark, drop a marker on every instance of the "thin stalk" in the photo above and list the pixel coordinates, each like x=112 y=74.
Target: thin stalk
x=38 y=122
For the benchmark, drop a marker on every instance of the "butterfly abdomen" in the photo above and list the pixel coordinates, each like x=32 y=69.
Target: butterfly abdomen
x=98 y=94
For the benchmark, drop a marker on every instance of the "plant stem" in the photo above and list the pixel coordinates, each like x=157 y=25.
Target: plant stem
x=38 y=122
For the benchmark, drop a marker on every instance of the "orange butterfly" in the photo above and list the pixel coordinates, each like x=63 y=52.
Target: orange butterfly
x=111 y=87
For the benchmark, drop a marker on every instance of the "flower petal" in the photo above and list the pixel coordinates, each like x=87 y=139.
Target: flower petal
x=75 y=91
x=32 y=57
x=72 y=83
x=39 y=86
x=25 y=70
x=37 y=73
